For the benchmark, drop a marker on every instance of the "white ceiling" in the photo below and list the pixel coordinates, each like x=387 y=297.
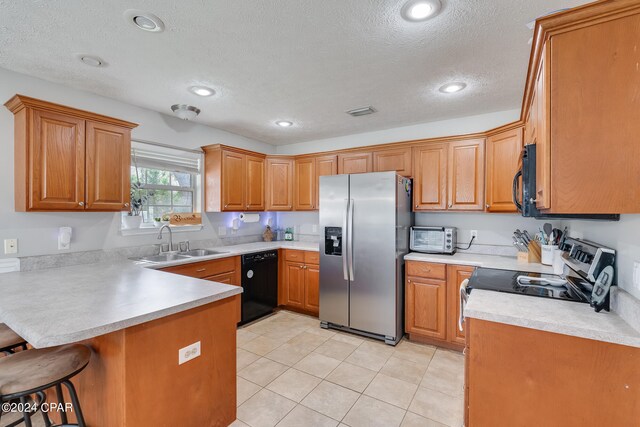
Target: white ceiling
x=307 y=61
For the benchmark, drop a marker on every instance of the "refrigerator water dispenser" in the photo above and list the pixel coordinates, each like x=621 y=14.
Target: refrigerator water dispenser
x=333 y=241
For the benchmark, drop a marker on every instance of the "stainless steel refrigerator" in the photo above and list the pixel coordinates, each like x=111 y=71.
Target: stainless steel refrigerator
x=364 y=225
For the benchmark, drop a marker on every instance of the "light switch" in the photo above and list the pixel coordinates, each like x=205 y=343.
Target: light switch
x=10 y=246
x=636 y=275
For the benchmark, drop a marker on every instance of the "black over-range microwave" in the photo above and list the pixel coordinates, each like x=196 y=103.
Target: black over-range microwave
x=524 y=198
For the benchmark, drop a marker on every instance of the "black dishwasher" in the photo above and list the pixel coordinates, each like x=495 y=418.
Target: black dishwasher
x=259 y=284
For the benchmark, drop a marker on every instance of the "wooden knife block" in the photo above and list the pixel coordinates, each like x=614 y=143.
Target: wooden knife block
x=533 y=255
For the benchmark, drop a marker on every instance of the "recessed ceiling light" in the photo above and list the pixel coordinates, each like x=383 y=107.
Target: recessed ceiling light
x=144 y=20
x=420 y=10
x=284 y=123
x=93 y=61
x=185 y=112
x=202 y=90
x=452 y=87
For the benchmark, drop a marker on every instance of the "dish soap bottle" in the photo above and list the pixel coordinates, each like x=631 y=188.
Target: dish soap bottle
x=288 y=234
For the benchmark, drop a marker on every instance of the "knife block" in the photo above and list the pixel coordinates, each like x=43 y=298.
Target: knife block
x=533 y=255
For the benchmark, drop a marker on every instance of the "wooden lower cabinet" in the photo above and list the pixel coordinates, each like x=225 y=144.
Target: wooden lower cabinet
x=526 y=377
x=225 y=270
x=301 y=281
x=432 y=304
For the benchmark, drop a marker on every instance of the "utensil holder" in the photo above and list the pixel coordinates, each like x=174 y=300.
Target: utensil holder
x=547 y=254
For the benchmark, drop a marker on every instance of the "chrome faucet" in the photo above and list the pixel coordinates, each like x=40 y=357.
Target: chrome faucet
x=170 y=237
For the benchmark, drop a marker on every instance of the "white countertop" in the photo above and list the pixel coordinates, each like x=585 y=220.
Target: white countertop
x=551 y=315
x=478 y=260
x=236 y=250
x=63 y=305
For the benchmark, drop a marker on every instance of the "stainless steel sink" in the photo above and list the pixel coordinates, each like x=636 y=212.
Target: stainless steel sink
x=164 y=257
x=202 y=252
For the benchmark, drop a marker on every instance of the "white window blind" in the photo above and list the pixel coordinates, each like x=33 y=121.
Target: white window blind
x=153 y=156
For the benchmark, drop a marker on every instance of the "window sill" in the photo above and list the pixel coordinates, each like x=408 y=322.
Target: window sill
x=154 y=230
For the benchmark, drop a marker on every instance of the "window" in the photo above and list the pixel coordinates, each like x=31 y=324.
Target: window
x=166 y=180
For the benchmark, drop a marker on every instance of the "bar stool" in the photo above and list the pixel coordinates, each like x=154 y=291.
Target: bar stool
x=9 y=340
x=33 y=371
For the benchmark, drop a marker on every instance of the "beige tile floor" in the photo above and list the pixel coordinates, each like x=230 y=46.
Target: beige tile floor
x=291 y=372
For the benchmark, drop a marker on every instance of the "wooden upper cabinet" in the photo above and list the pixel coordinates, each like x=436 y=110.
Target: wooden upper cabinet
x=466 y=175
x=57 y=174
x=234 y=179
x=503 y=154
x=108 y=161
x=430 y=177
x=358 y=162
x=234 y=176
x=255 y=188
x=305 y=186
x=396 y=159
x=68 y=159
x=279 y=184
x=325 y=166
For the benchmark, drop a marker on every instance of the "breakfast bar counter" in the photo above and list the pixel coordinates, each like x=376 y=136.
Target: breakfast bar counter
x=135 y=320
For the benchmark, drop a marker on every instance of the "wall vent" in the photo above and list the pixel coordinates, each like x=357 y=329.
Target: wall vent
x=363 y=111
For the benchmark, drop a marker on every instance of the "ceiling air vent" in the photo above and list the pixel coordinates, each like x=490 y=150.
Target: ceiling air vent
x=356 y=112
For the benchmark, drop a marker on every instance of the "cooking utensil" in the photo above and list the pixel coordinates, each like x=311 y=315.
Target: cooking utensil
x=548 y=231
x=527 y=235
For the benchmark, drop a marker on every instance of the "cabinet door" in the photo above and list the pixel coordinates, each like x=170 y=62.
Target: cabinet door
x=426 y=307
x=108 y=167
x=229 y=278
x=430 y=177
x=312 y=288
x=294 y=284
x=398 y=160
x=543 y=146
x=325 y=165
x=233 y=181
x=355 y=163
x=305 y=184
x=455 y=275
x=503 y=155
x=466 y=175
x=57 y=162
x=255 y=167
x=279 y=184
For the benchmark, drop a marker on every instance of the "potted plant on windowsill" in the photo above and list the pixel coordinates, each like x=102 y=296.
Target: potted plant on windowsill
x=134 y=219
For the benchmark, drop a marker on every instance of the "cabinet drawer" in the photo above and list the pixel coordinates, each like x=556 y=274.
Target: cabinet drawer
x=312 y=257
x=426 y=269
x=205 y=268
x=293 y=255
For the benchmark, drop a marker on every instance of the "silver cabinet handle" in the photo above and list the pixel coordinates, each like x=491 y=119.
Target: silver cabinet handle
x=487 y=205
x=350 y=241
x=450 y=205
x=81 y=203
x=126 y=205
x=463 y=301
x=345 y=237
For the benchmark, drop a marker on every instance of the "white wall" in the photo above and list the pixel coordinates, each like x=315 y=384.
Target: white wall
x=37 y=232
x=458 y=126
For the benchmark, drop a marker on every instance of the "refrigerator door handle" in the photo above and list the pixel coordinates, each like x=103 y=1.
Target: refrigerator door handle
x=345 y=237
x=350 y=240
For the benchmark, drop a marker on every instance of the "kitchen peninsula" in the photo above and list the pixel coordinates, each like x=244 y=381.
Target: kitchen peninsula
x=135 y=320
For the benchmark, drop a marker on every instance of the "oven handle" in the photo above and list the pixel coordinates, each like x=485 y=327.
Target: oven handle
x=515 y=190
x=463 y=301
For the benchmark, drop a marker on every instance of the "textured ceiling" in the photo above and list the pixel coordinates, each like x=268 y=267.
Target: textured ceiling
x=307 y=61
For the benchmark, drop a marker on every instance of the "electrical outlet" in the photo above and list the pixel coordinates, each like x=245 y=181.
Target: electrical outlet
x=188 y=353
x=636 y=275
x=222 y=231
x=10 y=246
x=474 y=233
